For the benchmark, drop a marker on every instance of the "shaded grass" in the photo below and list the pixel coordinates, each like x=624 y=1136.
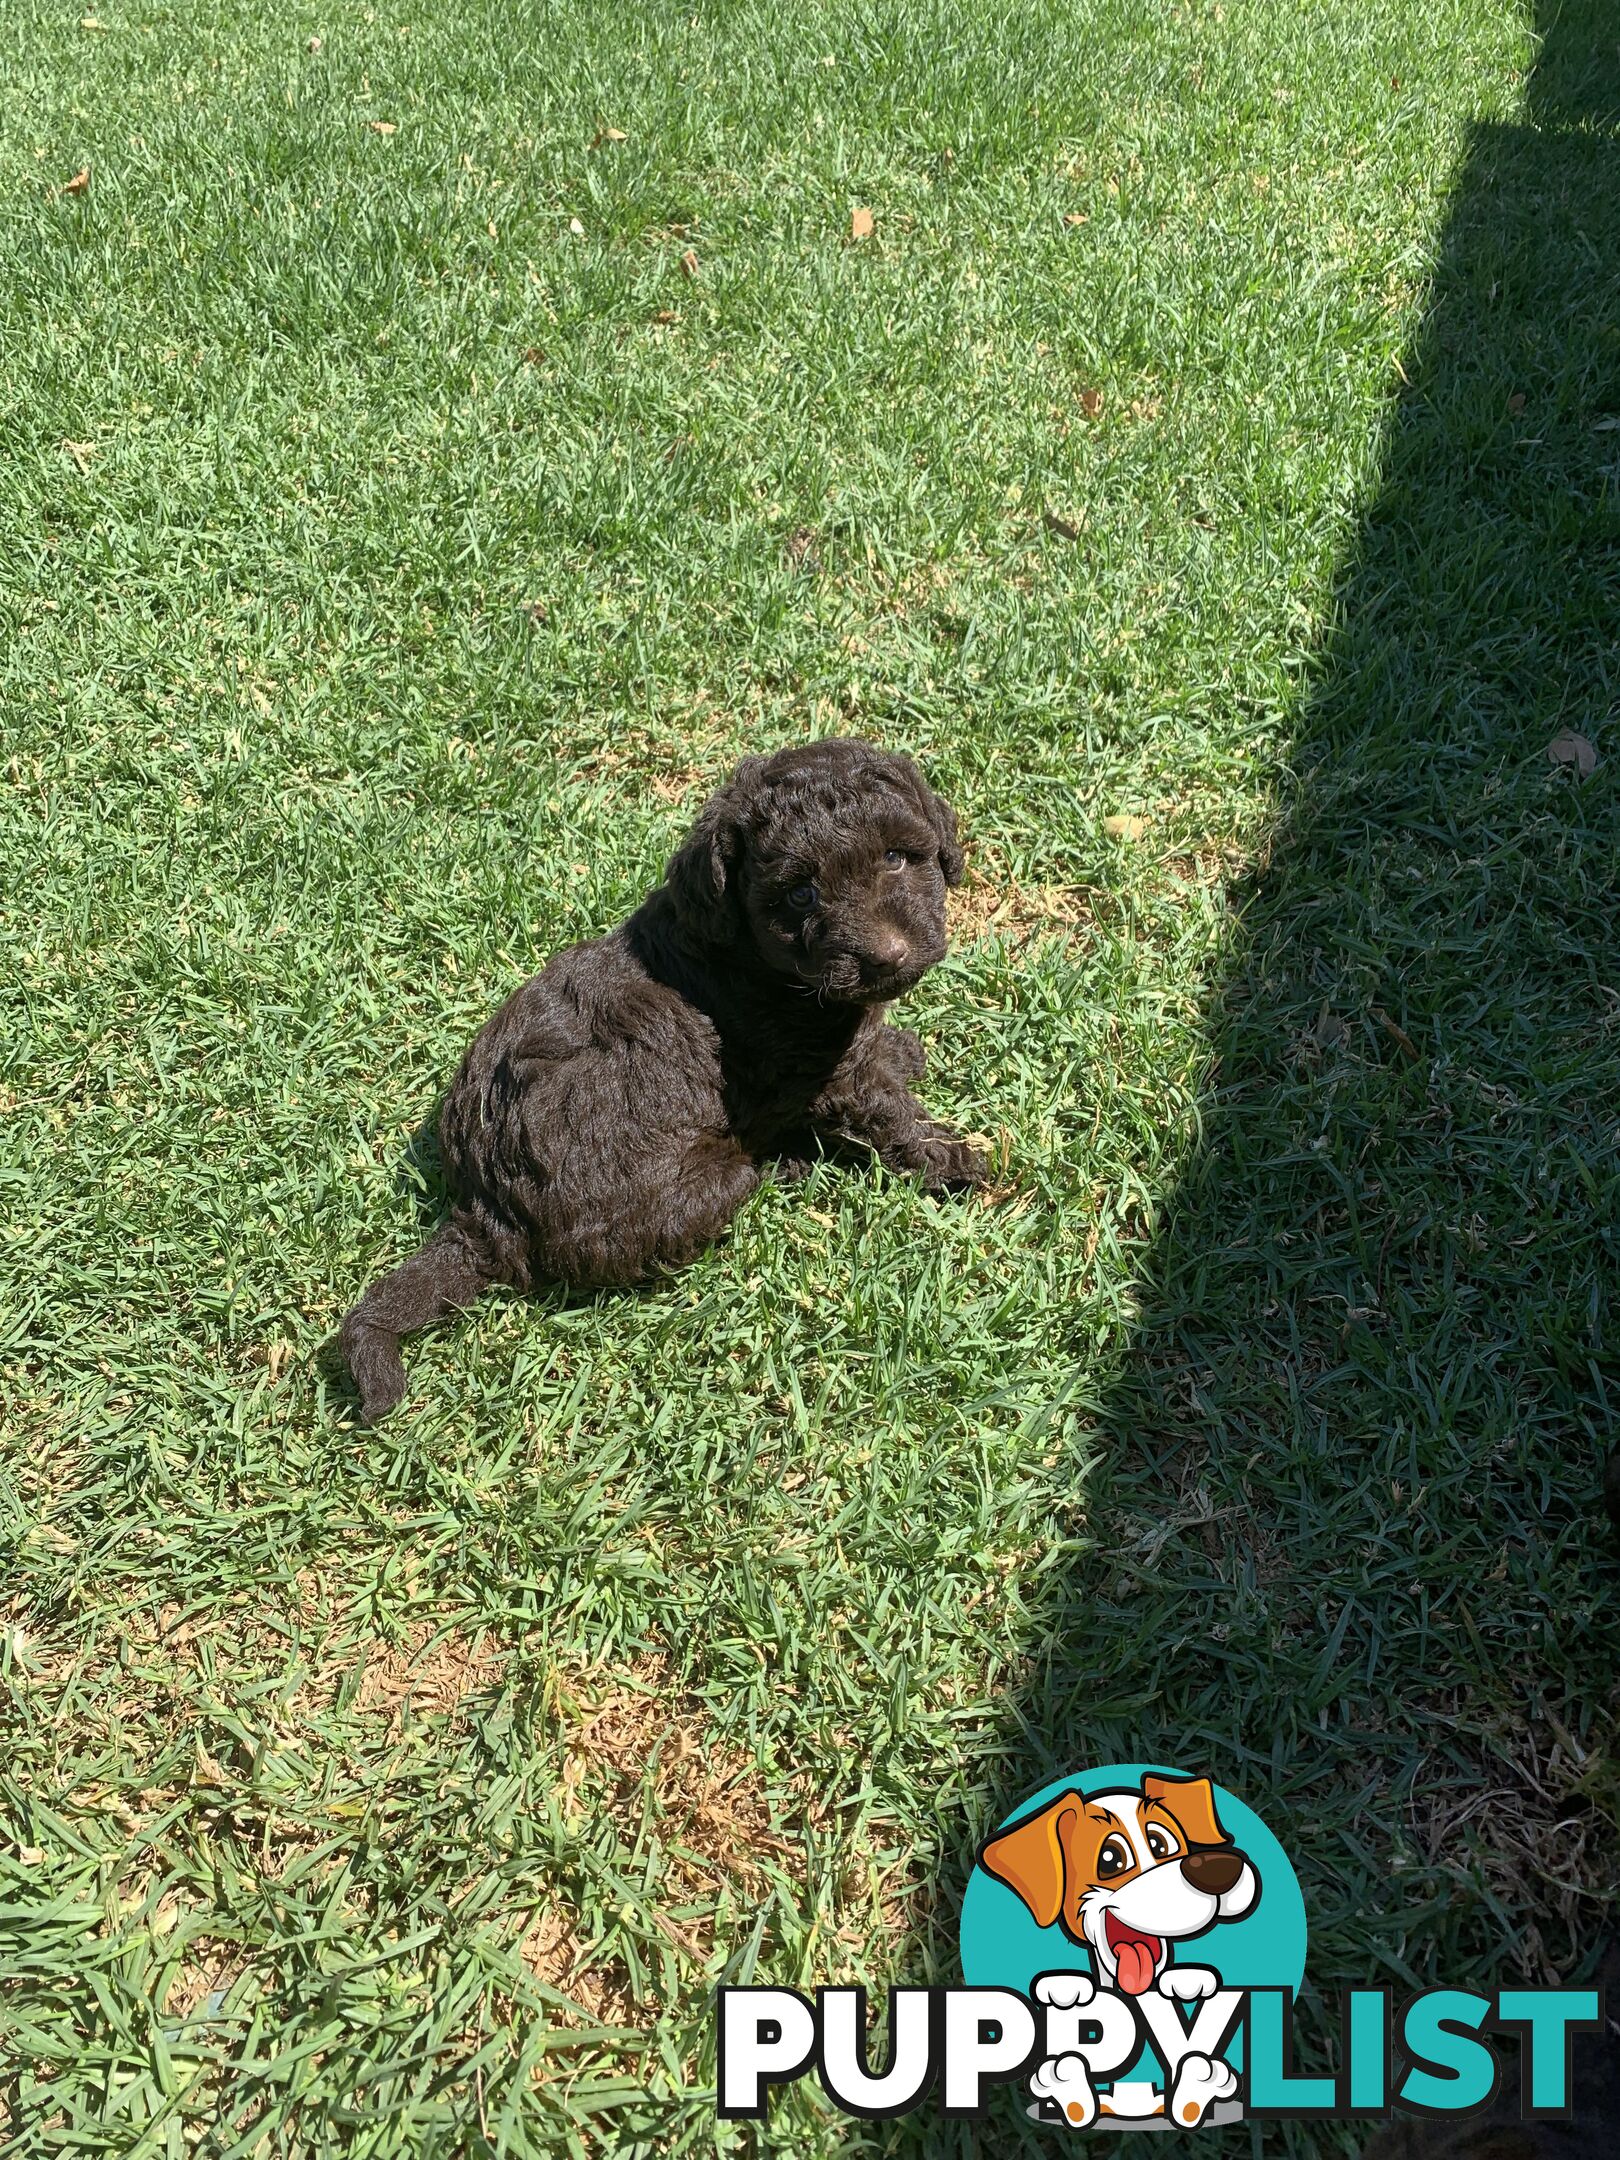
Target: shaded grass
x=408 y=584
x=1351 y=1540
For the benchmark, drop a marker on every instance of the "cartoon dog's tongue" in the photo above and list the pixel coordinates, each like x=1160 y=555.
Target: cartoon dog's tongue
x=1137 y=1954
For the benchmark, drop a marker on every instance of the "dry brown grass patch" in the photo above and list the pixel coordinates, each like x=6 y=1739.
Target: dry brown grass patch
x=1522 y=1808
x=713 y=1813
x=209 y=1967
x=983 y=907
x=553 y=1952
x=637 y=1744
x=683 y=765
x=1210 y=862
x=429 y=1674
x=155 y=1670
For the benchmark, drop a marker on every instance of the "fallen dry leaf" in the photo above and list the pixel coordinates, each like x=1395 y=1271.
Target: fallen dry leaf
x=1065 y=528
x=313 y=44
x=79 y=182
x=860 y=224
x=207 y=1770
x=603 y=135
x=689 y=262
x=1125 y=826
x=1077 y=217
x=576 y=228
x=1396 y=1033
x=802 y=550
x=666 y=315
x=1569 y=748
x=383 y=127
x=81 y=453
x=534 y=354
x=493 y=230
x=91 y=22
x=1091 y=403
x=1516 y=402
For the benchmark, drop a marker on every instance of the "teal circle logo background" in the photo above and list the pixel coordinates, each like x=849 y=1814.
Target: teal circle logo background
x=1002 y=1946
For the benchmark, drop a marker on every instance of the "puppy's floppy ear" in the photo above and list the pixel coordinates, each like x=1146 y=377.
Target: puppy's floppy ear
x=702 y=871
x=1029 y=1858
x=1191 y=1800
x=943 y=819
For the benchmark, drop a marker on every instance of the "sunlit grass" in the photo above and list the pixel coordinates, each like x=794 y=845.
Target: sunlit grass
x=438 y=443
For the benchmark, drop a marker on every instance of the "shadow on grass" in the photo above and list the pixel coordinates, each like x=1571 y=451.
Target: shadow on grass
x=1346 y=1552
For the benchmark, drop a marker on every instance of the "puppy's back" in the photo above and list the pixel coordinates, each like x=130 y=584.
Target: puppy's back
x=591 y=1064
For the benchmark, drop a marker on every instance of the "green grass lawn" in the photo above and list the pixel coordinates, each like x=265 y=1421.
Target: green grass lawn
x=437 y=443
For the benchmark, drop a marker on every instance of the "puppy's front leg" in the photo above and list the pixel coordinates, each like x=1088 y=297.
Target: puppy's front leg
x=1200 y=2081
x=1066 y=2082
x=1187 y=1983
x=867 y=1101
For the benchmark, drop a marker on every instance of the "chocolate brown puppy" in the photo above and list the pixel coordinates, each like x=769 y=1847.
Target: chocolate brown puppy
x=620 y=1107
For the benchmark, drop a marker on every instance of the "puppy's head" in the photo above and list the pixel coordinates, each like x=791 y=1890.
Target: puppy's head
x=1127 y=1873
x=832 y=861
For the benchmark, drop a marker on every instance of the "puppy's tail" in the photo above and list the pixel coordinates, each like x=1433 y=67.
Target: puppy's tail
x=452 y=1270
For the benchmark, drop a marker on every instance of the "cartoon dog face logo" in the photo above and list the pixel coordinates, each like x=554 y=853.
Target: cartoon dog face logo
x=1127 y=1874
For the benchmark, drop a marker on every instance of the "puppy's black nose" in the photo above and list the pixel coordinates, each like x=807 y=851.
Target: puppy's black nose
x=888 y=949
x=1214 y=1871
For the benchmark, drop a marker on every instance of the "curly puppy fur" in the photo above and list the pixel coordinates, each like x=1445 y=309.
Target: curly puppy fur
x=619 y=1108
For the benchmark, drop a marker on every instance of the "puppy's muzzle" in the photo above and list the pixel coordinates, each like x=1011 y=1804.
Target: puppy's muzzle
x=882 y=970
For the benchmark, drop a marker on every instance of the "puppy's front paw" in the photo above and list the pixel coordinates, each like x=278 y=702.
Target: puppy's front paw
x=375 y=1366
x=950 y=1164
x=909 y=1055
x=1187 y=1983
x=1065 y=1990
x=1201 y=2080
x=1066 y=2082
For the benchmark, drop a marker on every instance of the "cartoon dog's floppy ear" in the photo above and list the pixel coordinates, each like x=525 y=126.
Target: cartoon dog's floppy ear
x=1191 y=1800
x=1029 y=1858
x=701 y=870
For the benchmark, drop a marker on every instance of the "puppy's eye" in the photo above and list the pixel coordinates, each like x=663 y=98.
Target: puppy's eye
x=1160 y=1843
x=894 y=858
x=802 y=896
x=1114 y=1858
